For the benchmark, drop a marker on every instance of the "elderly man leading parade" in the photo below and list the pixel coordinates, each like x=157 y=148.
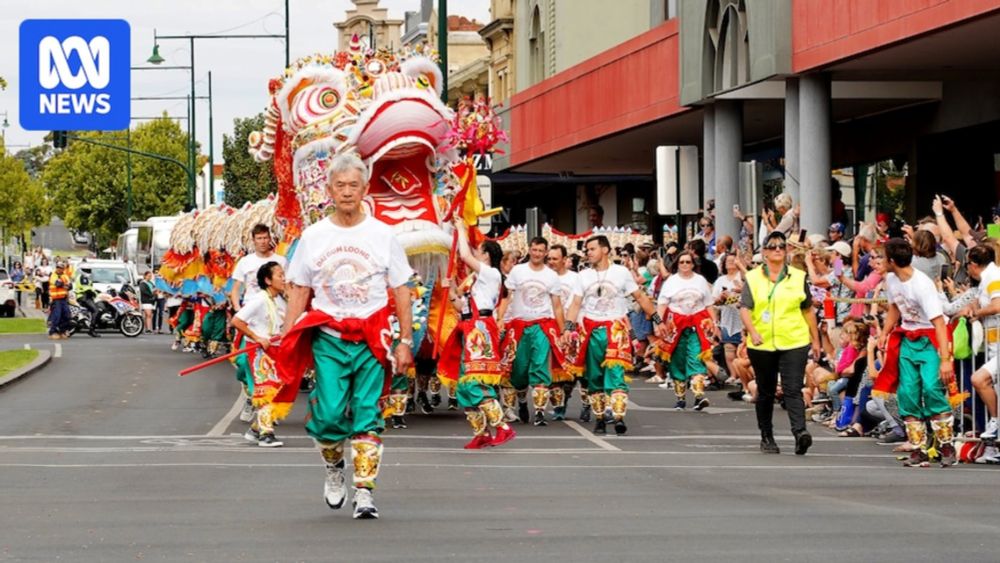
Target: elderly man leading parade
x=344 y=267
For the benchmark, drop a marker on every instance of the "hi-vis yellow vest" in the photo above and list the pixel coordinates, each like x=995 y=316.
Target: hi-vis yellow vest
x=777 y=311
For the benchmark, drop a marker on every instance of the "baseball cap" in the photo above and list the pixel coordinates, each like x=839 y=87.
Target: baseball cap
x=839 y=227
x=841 y=247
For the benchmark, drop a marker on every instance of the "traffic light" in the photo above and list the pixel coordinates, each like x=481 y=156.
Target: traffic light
x=59 y=139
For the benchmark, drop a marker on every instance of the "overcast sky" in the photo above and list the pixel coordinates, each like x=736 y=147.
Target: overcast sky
x=240 y=67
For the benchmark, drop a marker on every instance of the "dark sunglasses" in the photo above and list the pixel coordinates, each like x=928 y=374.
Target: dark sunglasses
x=685 y=262
x=778 y=246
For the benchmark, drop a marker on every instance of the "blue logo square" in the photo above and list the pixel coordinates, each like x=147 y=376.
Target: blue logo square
x=74 y=75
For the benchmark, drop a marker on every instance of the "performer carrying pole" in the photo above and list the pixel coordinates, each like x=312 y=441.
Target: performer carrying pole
x=471 y=356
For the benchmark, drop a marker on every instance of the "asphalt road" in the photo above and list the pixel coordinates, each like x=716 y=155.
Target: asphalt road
x=107 y=455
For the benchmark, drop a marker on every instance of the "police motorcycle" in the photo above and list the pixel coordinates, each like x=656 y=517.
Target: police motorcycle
x=118 y=311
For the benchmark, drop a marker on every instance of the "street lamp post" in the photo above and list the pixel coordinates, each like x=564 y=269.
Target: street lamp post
x=443 y=47
x=157 y=59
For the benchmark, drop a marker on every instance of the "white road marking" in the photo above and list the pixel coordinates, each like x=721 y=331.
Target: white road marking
x=27 y=346
x=401 y=436
x=615 y=467
x=58 y=351
x=234 y=411
x=590 y=437
x=709 y=410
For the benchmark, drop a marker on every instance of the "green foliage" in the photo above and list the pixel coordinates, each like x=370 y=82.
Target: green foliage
x=35 y=159
x=88 y=184
x=245 y=178
x=890 y=191
x=22 y=326
x=22 y=199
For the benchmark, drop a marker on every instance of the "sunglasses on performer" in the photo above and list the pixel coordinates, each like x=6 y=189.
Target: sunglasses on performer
x=776 y=246
x=685 y=262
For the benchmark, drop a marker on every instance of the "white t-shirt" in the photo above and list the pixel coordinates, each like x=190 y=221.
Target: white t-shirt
x=569 y=285
x=246 y=272
x=729 y=315
x=916 y=300
x=485 y=290
x=349 y=268
x=532 y=292
x=604 y=292
x=263 y=315
x=989 y=289
x=686 y=296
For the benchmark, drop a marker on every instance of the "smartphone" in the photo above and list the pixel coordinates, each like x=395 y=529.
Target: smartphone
x=579 y=245
x=736 y=208
x=802 y=236
x=838 y=268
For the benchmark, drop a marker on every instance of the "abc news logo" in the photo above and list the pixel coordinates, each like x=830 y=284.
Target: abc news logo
x=74 y=74
x=94 y=70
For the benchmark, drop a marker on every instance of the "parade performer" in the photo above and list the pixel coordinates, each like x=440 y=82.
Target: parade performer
x=471 y=357
x=606 y=351
x=244 y=288
x=530 y=347
x=918 y=365
x=982 y=267
x=563 y=377
x=260 y=319
x=345 y=267
x=780 y=320
x=686 y=301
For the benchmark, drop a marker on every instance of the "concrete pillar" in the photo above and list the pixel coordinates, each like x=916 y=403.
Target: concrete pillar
x=814 y=152
x=708 y=153
x=728 y=153
x=792 y=137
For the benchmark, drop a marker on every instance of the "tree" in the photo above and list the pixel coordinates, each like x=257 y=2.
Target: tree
x=88 y=184
x=34 y=159
x=245 y=178
x=22 y=199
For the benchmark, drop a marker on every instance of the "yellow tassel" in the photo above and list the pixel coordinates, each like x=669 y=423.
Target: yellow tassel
x=280 y=411
x=626 y=365
x=957 y=399
x=265 y=397
x=482 y=378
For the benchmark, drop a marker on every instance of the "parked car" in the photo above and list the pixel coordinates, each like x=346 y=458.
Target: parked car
x=81 y=237
x=8 y=303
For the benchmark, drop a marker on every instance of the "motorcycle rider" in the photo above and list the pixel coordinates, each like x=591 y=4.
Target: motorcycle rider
x=85 y=293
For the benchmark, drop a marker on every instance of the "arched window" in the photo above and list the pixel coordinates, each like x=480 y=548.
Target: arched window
x=536 y=47
x=730 y=42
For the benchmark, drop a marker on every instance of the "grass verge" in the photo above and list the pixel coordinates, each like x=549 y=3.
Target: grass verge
x=11 y=360
x=22 y=326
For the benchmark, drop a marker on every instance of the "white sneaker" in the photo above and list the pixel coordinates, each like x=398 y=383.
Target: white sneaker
x=991 y=456
x=246 y=415
x=335 y=487
x=991 y=430
x=647 y=368
x=510 y=416
x=655 y=379
x=364 y=505
x=175 y=346
x=666 y=385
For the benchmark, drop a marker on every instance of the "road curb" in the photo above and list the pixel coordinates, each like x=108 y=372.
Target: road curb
x=44 y=356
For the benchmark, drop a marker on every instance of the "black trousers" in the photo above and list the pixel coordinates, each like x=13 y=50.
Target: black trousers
x=791 y=364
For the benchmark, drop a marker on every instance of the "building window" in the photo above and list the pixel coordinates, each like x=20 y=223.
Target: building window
x=730 y=41
x=536 y=47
